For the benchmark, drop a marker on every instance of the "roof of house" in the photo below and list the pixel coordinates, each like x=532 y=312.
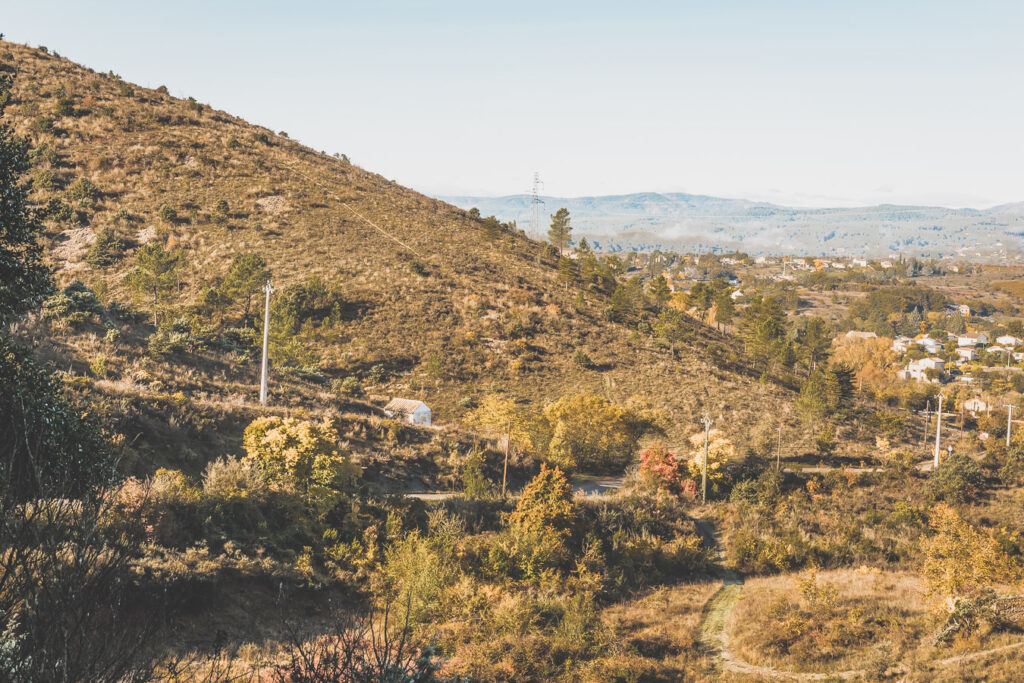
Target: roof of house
x=404 y=406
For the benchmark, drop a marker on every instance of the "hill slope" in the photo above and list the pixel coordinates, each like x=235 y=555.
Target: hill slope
x=420 y=291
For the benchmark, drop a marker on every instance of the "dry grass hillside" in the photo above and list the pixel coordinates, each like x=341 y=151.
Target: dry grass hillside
x=448 y=314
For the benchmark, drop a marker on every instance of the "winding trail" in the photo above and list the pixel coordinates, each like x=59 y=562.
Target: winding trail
x=713 y=633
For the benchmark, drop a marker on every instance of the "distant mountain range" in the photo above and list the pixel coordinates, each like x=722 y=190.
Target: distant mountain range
x=686 y=222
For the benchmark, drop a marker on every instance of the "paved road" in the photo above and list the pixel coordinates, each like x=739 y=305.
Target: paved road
x=581 y=486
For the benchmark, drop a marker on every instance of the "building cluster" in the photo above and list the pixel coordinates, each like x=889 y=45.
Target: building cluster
x=967 y=349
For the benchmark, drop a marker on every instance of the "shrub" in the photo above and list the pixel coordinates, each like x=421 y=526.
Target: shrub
x=106 y=250
x=63 y=103
x=98 y=367
x=75 y=304
x=351 y=386
x=475 y=484
x=231 y=478
x=661 y=470
x=959 y=557
x=41 y=125
x=376 y=375
x=125 y=90
x=167 y=214
x=580 y=358
x=44 y=179
x=303 y=454
x=957 y=480
x=83 y=192
x=546 y=504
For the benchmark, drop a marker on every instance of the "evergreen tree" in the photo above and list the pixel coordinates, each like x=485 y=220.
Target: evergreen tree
x=814 y=343
x=560 y=230
x=567 y=271
x=725 y=307
x=700 y=297
x=24 y=280
x=245 y=279
x=914 y=321
x=658 y=289
x=106 y=250
x=155 y=273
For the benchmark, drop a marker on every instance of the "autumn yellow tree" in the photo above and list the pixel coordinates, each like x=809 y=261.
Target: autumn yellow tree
x=303 y=454
x=499 y=417
x=590 y=432
x=720 y=451
x=959 y=557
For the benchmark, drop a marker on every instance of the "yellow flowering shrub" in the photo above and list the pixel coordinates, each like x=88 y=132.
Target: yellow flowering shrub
x=301 y=453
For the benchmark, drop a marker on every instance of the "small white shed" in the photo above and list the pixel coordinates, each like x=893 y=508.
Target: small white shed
x=408 y=410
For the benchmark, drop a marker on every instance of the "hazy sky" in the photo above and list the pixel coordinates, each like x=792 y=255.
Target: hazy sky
x=814 y=102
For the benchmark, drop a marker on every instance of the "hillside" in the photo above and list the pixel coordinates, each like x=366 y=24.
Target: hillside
x=423 y=303
x=686 y=222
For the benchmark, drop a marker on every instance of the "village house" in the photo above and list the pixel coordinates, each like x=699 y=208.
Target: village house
x=962 y=309
x=976 y=405
x=967 y=354
x=886 y=264
x=930 y=345
x=918 y=369
x=408 y=410
x=1008 y=340
x=976 y=339
x=857 y=334
x=860 y=263
x=902 y=344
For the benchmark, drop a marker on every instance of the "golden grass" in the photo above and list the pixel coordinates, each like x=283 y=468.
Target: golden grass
x=657 y=637
x=890 y=608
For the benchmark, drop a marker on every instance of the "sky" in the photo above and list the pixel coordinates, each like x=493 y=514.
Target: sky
x=817 y=103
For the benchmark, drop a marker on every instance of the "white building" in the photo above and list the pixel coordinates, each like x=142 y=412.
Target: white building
x=931 y=345
x=902 y=344
x=976 y=339
x=408 y=410
x=857 y=334
x=967 y=353
x=918 y=369
x=976 y=405
x=1008 y=340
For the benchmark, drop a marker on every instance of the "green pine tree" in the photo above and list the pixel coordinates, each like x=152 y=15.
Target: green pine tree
x=560 y=230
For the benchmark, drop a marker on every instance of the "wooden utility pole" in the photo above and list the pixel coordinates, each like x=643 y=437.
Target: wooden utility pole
x=938 y=429
x=508 y=445
x=704 y=466
x=266 y=340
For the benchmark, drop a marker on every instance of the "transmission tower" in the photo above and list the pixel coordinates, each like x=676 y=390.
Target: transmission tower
x=535 y=202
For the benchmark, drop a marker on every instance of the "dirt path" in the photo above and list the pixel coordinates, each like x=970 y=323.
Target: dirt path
x=713 y=632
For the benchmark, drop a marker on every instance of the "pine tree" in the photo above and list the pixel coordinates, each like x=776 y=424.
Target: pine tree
x=814 y=343
x=155 y=273
x=658 y=290
x=24 y=279
x=246 y=277
x=560 y=230
x=567 y=271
